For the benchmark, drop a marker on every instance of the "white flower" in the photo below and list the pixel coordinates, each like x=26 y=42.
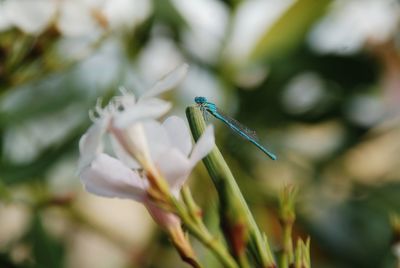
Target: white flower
x=139 y=143
x=5 y=22
x=31 y=17
x=126 y=13
x=79 y=18
x=352 y=23
x=72 y=17
x=171 y=151
x=396 y=251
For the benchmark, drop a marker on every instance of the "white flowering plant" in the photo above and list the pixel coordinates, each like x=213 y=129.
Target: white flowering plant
x=150 y=162
x=152 y=159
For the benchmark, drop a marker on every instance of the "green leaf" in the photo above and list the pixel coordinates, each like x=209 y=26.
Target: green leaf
x=21 y=173
x=47 y=251
x=167 y=12
x=289 y=30
x=38 y=98
x=6 y=261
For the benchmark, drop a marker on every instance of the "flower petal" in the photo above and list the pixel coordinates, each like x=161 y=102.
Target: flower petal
x=149 y=109
x=133 y=140
x=157 y=138
x=125 y=14
x=108 y=177
x=90 y=143
x=32 y=17
x=203 y=146
x=5 y=22
x=175 y=168
x=170 y=81
x=178 y=133
x=165 y=219
x=123 y=155
x=76 y=18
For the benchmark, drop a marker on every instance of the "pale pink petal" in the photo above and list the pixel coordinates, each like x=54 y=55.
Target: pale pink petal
x=175 y=168
x=149 y=109
x=157 y=138
x=90 y=143
x=127 y=99
x=161 y=217
x=108 y=177
x=178 y=133
x=168 y=82
x=134 y=141
x=123 y=155
x=203 y=146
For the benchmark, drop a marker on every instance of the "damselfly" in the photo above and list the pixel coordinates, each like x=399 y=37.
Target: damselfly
x=243 y=131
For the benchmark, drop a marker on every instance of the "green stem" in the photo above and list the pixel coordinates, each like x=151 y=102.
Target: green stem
x=193 y=209
x=302 y=254
x=287 y=254
x=287 y=217
x=195 y=213
x=235 y=214
x=202 y=234
x=243 y=261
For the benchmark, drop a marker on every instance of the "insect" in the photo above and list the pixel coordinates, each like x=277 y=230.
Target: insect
x=250 y=135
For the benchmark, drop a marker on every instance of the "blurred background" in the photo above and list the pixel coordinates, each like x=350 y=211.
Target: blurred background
x=318 y=80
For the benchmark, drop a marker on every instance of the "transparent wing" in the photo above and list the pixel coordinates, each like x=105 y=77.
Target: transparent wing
x=205 y=113
x=233 y=122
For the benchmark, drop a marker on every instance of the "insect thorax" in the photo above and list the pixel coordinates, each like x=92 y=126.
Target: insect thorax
x=200 y=100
